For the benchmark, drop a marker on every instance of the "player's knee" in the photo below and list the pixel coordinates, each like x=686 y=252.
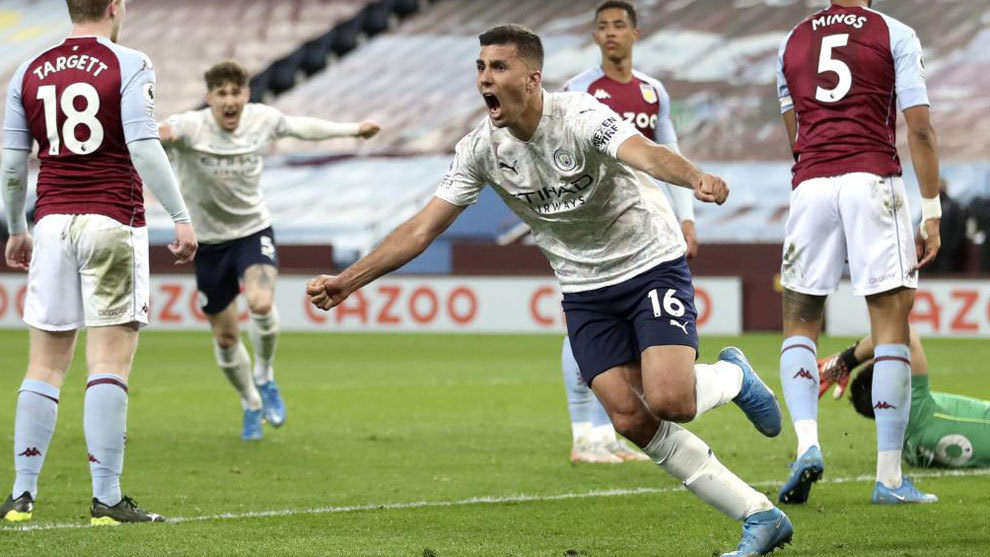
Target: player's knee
x=672 y=406
x=260 y=305
x=226 y=339
x=631 y=425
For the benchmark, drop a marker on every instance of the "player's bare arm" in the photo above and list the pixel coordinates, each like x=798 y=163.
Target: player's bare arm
x=13 y=177
x=790 y=124
x=923 y=142
x=663 y=163
x=401 y=246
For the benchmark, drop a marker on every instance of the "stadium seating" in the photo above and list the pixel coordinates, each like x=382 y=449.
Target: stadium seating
x=182 y=37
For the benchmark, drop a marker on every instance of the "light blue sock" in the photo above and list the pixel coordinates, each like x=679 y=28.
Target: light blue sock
x=580 y=399
x=891 y=394
x=799 y=379
x=37 y=410
x=105 y=425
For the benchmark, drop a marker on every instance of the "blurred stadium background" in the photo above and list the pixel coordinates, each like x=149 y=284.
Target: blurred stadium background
x=408 y=65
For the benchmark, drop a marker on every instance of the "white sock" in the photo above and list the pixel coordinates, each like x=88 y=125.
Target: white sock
x=236 y=365
x=807 y=434
x=580 y=431
x=263 y=331
x=889 y=468
x=686 y=457
x=603 y=434
x=715 y=384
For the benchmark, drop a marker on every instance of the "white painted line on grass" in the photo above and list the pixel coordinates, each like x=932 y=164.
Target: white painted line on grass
x=487 y=500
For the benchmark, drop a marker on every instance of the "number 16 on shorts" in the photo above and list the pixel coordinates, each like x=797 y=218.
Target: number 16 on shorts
x=672 y=307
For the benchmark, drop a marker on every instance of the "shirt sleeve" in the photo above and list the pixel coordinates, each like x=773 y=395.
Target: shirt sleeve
x=137 y=98
x=665 y=133
x=783 y=92
x=601 y=128
x=464 y=180
x=909 y=67
x=16 y=133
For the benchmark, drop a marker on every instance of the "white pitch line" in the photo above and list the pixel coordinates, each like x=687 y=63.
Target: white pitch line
x=487 y=500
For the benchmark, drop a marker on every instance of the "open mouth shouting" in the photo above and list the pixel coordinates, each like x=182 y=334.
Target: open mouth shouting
x=494 y=105
x=231 y=115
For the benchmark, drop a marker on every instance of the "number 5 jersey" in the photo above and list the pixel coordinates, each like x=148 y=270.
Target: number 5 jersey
x=845 y=72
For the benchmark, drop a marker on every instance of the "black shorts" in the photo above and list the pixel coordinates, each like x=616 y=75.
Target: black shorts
x=220 y=267
x=613 y=325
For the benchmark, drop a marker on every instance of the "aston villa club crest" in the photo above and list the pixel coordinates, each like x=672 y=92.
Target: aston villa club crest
x=649 y=93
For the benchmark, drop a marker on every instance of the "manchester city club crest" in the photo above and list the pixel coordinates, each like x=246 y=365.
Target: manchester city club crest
x=649 y=93
x=564 y=161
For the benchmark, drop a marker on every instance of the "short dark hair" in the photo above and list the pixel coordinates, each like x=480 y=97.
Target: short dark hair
x=861 y=392
x=528 y=43
x=227 y=71
x=619 y=5
x=81 y=11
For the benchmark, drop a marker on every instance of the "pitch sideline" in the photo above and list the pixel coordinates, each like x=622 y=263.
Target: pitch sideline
x=486 y=500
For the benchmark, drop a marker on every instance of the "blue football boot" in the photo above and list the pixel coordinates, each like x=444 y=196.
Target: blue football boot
x=755 y=399
x=272 y=399
x=907 y=493
x=762 y=533
x=806 y=470
x=252 y=425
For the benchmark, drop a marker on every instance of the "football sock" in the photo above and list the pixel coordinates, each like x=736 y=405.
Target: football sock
x=715 y=385
x=686 y=457
x=236 y=365
x=105 y=426
x=891 y=407
x=263 y=331
x=580 y=399
x=37 y=409
x=799 y=378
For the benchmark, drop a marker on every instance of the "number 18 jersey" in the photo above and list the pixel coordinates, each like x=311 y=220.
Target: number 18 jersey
x=842 y=70
x=84 y=100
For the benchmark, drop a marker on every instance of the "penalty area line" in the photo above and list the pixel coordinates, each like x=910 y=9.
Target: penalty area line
x=486 y=500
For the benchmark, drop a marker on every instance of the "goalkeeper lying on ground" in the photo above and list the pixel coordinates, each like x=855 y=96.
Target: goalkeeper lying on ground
x=943 y=430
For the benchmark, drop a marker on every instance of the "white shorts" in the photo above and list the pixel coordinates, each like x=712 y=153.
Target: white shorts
x=859 y=217
x=87 y=270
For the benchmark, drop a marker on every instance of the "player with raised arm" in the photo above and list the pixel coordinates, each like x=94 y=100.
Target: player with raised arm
x=642 y=102
x=573 y=171
x=219 y=153
x=841 y=76
x=89 y=103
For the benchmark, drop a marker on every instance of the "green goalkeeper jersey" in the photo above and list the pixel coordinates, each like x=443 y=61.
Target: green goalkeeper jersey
x=946 y=430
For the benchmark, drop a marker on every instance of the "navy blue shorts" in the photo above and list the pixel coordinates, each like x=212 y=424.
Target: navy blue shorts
x=220 y=267
x=612 y=326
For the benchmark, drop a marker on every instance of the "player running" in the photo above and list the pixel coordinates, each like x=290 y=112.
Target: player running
x=218 y=152
x=89 y=103
x=570 y=169
x=943 y=430
x=839 y=73
x=644 y=103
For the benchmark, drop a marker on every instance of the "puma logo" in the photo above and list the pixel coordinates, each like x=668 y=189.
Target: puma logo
x=506 y=166
x=681 y=326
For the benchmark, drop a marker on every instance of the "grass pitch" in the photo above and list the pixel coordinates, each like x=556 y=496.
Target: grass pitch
x=450 y=445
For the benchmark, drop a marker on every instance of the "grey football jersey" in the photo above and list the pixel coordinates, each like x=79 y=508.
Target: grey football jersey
x=587 y=210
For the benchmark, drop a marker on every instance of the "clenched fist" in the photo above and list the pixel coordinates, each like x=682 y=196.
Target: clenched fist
x=711 y=189
x=326 y=291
